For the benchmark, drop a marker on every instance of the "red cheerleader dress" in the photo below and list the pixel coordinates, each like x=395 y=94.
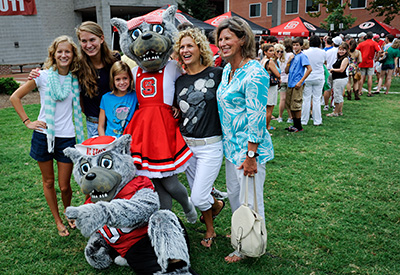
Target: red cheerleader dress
x=157 y=147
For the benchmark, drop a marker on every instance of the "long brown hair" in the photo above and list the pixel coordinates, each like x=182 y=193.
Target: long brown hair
x=87 y=74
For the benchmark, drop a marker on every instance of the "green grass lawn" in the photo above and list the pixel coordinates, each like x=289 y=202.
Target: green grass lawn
x=332 y=202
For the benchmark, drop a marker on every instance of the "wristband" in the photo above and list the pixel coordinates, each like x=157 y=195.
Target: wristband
x=25 y=120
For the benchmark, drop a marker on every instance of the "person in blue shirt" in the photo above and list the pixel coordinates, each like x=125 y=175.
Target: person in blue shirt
x=117 y=107
x=294 y=95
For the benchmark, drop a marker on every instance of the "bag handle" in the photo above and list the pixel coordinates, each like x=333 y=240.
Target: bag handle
x=247 y=193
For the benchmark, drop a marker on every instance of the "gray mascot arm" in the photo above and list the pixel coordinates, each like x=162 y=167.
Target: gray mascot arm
x=117 y=213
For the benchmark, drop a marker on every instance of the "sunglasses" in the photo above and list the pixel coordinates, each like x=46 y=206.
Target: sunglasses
x=279 y=51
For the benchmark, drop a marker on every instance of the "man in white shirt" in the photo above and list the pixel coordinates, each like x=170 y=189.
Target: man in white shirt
x=314 y=82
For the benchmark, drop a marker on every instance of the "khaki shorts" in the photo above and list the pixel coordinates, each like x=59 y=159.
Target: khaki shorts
x=294 y=99
x=367 y=71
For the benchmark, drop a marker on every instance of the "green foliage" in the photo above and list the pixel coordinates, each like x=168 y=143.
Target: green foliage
x=199 y=9
x=387 y=8
x=8 y=85
x=331 y=201
x=337 y=17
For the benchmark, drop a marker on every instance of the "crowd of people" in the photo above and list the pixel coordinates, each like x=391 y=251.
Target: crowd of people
x=209 y=111
x=339 y=67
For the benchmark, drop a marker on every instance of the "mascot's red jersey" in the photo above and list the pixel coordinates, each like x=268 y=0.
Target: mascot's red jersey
x=121 y=239
x=157 y=144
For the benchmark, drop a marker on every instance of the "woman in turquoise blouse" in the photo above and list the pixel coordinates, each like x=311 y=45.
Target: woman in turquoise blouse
x=242 y=98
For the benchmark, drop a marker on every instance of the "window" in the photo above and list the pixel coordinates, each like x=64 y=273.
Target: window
x=255 y=10
x=269 y=8
x=357 y=4
x=311 y=6
x=292 y=6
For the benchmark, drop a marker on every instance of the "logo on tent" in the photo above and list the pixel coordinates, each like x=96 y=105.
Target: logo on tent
x=291 y=25
x=309 y=26
x=366 y=25
x=217 y=20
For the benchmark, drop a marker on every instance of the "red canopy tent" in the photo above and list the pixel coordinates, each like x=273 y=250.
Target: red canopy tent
x=257 y=29
x=374 y=26
x=297 y=27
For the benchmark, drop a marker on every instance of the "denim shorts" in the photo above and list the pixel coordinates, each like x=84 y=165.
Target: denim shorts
x=387 y=67
x=39 y=148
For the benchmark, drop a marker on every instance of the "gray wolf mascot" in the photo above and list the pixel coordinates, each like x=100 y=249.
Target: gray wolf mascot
x=121 y=216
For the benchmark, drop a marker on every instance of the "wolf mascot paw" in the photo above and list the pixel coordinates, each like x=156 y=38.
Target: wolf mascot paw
x=122 y=209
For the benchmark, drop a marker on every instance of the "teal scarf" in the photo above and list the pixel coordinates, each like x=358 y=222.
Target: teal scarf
x=57 y=92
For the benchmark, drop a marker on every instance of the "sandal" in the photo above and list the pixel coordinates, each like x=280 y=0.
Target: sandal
x=214 y=216
x=205 y=241
x=340 y=114
x=370 y=94
x=332 y=115
x=234 y=257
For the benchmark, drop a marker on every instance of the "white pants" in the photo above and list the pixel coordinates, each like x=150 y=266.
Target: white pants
x=236 y=182
x=202 y=171
x=313 y=88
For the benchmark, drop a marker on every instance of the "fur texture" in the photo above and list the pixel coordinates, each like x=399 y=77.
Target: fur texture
x=94 y=174
x=167 y=238
x=149 y=44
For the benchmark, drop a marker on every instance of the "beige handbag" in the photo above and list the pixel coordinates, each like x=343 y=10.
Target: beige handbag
x=248 y=232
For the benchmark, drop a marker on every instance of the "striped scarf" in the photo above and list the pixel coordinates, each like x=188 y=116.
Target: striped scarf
x=57 y=92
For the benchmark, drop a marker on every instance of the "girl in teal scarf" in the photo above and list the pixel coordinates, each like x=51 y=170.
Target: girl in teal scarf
x=58 y=123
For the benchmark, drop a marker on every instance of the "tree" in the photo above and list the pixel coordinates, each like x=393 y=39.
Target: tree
x=387 y=8
x=336 y=14
x=337 y=17
x=199 y=9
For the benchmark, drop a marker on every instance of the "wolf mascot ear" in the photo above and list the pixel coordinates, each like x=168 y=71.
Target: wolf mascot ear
x=148 y=39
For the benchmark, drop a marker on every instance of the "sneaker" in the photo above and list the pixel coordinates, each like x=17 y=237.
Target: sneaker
x=289 y=120
x=326 y=108
x=279 y=119
x=219 y=195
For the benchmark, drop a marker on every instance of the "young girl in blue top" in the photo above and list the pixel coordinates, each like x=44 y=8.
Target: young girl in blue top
x=117 y=107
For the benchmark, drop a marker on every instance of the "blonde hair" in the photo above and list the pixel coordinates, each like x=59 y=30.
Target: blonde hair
x=243 y=31
x=396 y=44
x=282 y=48
x=87 y=74
x=206 y=55
x=306 y=44
x=117 y=68
x=51 y=61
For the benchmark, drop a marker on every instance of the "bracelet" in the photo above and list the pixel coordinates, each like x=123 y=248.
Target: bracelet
x=25 y=120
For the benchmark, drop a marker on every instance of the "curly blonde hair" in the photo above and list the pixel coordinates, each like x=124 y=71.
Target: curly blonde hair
x=282 y=48
x=206 y=55
x=51 y=60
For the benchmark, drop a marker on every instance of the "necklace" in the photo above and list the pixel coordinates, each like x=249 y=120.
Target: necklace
x=233 y=71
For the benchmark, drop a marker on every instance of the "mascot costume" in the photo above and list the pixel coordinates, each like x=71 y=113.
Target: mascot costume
x=121 y=216
x=158 y=148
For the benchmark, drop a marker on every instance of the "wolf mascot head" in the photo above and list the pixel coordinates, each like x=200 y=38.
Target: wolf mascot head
x=148 y=39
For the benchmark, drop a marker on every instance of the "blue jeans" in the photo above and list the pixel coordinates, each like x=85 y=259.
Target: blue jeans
x=92 y=129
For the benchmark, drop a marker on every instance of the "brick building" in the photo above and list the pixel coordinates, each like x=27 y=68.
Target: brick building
x=25 y=38
x=260 y=12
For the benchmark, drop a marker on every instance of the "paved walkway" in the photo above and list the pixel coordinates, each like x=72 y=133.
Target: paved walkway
x=19 y=77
